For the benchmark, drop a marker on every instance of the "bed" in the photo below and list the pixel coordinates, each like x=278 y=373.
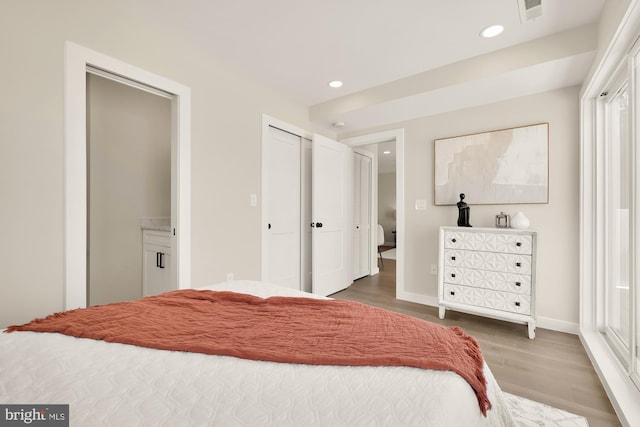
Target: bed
x=108 y=383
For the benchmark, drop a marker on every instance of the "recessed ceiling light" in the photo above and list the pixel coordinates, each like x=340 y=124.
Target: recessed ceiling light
x=386 y=152
x=492 y=31
x=335 y=83
x=338 y=124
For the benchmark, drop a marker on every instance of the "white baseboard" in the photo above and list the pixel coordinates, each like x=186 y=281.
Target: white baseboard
x=417 y=298
x=557 y=325
x=541 y=322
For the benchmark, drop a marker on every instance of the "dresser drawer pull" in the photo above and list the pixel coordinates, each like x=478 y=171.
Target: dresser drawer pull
x=519 y=244
x=518 y=283
x=517 y=304
x=518 y=264
x=453 y=258
x=453 y=274
x=452 y=293
x=453 y=240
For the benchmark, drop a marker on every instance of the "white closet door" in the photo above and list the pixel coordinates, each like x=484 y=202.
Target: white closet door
x=283 y=210
x=361 y=215
x=332 y=204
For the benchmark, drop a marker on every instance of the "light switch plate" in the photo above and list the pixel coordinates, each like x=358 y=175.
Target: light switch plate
x=253 y=200
x=421 y=204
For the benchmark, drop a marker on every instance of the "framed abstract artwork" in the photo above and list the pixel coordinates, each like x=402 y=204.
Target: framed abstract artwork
x=505 y=166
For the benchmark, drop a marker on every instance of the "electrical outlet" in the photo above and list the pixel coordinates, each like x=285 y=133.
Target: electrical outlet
x=229 y=277
x=434 y=269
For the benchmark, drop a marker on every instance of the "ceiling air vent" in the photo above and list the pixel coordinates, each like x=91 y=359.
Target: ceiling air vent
x=529 y=10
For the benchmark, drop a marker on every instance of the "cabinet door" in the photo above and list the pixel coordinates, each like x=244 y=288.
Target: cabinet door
x=157 y=270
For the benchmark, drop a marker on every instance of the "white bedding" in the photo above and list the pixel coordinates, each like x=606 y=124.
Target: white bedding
x=122 y=385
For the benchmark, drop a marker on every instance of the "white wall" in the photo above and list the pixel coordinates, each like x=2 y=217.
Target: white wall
x=227 y=110
x=129 y=157
x=556 y=222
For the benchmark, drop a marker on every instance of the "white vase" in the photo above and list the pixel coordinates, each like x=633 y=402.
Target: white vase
x=519 y=221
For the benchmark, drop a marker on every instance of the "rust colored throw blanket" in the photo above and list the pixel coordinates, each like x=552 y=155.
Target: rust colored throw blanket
x=277 y=329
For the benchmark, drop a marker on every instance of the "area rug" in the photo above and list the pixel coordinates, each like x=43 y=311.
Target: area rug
x=528 y=413
x=389 y=254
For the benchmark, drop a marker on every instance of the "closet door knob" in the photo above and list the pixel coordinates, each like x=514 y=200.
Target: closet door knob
x=517 y=304
x=453 y=274
x=453 y=258
x=518 y=244
x=518 y=283
x=452 y=293
x=318 y=225
x=518 y=264
x=453 y=240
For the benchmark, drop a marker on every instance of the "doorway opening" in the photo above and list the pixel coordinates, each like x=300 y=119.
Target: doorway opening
x=393 y=211
x=79 y=60
x=128 y=184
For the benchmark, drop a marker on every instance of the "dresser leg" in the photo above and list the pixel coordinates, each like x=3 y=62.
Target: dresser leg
x=441 y=312
x=532 y=330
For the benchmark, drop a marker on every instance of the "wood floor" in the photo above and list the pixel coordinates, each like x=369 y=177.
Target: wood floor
x=552 y=369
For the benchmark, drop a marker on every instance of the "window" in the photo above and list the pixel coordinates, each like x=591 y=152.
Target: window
x=610 y=218
x=619 y=213
x=618 y=308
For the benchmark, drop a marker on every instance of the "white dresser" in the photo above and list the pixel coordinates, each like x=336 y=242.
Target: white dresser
x=488 y=272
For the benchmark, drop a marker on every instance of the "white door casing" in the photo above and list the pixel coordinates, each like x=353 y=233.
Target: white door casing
x=332 y=204
x=396 y=135
x=78 y=60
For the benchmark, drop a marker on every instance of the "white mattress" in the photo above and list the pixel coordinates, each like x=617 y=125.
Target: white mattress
x=121 y=385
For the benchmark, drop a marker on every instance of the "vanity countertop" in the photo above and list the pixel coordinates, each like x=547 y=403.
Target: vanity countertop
x=159 y=224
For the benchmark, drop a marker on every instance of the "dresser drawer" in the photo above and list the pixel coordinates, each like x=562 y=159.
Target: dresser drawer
x=494 y=280
x=492 y=261
x=488 y=242
x=496 y=300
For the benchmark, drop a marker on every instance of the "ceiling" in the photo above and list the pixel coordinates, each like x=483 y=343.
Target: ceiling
x=398 y=59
